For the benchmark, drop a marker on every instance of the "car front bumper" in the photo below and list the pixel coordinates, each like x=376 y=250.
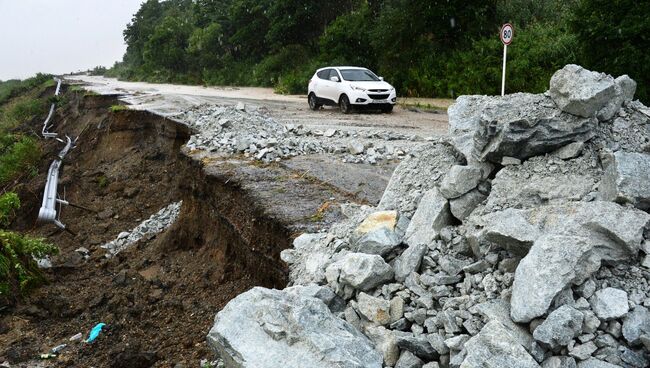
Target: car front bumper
x=373 y=98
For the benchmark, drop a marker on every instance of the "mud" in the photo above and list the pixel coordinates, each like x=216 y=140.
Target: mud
x=159 y=296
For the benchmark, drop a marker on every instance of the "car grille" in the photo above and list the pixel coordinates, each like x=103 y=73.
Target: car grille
x=378 y=90
x=378 y=96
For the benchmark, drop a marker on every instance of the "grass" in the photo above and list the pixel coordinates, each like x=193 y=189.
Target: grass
x=117 y=108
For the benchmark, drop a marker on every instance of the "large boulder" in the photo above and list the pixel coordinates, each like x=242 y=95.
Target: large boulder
x=283 y=328
x=431 y=216
x=519 y=125
x=627 y=179
x=495 y=347
x=576 y=238
x=360 y=271
x=463 y=206
x=581 y=92
x=616 y=230
x=553 y=262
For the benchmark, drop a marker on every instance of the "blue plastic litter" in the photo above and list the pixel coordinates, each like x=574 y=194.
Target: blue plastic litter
x=95 y=332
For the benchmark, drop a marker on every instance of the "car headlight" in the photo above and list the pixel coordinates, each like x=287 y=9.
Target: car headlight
x=357 y=88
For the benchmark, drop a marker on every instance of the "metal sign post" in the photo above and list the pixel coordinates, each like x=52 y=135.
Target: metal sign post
x=506 y=34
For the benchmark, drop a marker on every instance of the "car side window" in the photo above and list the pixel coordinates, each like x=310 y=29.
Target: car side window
x=334 y=73
x=324 y=74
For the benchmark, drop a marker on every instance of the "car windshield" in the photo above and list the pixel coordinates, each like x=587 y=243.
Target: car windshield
x=359 y=75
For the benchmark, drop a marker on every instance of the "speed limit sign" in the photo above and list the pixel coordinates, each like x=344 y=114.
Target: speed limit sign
x=506 y=33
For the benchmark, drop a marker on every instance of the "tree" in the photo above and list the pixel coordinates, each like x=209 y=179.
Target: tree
x=615 y=39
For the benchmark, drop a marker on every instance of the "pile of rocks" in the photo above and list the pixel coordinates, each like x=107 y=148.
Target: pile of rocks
x=251 y=132
x=523 y=241
x=148 y=228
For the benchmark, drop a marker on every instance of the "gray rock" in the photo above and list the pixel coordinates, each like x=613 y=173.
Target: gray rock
x=459 y=180
x=499 y=310
x=356 y=147
x=334 y=302
x=359 y=270
x=634 y=358
x=571 y=150
x=421 y=171
x=595 y=363
x=291 y=329
x=431 y=216
x=385 y=342
x=438 y=343
x=553 y=262
x=379 y=241
x=583 y=351
x=308 y=259
x=408 y=360
x=627 y=179
x=495 y=347
x=559 y=362
x=457 y=342
x=610 y=303
x=463 y=206
x=518 y=125
x=418 y=345
x=624 y=92
x=375 y=310
x=508 y=161
x=409 y=261
x=509 y=229
x=559 y=328
x=581 y=92
x=636 y=324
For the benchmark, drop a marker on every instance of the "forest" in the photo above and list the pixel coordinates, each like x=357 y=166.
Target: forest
x=435 y=48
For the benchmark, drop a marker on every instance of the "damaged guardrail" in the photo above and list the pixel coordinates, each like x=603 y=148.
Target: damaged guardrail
x=46 y=124
x=48 y=212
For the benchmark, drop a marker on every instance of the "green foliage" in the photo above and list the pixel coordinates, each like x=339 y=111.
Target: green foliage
x=432 y=48
x=98 y=70
x=18 y=270
x=614 y=37
x=14 y=87
x=117 y=108
x=19 y=155
x=9 y=202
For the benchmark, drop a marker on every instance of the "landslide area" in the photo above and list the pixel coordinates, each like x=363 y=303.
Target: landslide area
x=159 y=296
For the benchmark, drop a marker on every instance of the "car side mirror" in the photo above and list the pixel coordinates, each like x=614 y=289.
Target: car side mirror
x=381 y=78
x=334 y=79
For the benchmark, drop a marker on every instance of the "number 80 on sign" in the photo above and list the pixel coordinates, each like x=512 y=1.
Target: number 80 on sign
x=507 y=32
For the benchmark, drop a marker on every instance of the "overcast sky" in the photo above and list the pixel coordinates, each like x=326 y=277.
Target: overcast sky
x=59 y=36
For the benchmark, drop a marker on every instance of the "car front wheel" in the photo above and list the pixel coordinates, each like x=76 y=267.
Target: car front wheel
x=344 y=104
x=313 y=102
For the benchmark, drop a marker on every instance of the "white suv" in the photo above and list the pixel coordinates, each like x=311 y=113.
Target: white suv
x=349 y=87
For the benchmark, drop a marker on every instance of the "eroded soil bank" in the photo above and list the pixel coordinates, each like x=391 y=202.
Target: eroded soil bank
x=159 y=296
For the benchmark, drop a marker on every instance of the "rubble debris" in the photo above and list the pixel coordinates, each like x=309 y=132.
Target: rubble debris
x=518 y=241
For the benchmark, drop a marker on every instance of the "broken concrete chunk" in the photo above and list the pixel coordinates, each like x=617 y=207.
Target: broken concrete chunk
x=560 y=328
x=581 y=92
x=627 y=179
x=359 y=270
x=291 y=329
x=431 y=216
x=459 y=180
x=495 y=347
x=610 y=303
